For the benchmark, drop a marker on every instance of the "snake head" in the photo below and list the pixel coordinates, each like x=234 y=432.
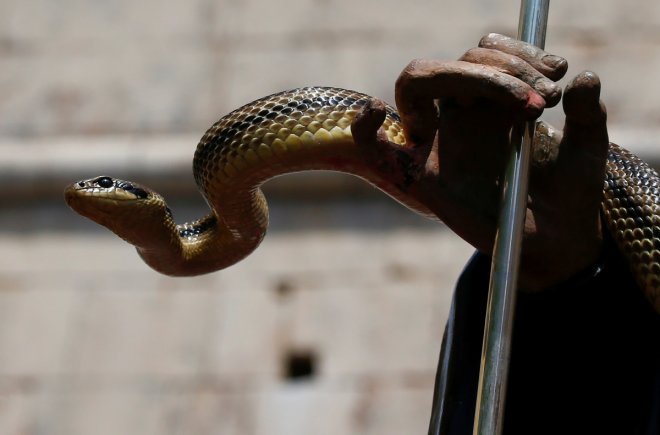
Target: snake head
x=107 y=200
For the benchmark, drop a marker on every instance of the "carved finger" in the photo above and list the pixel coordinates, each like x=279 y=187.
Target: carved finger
x=424 y=81
x=517 y=67
x=367 y=122
x=551 y=66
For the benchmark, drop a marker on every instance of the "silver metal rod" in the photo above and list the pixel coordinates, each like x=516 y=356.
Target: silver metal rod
x=491 y=394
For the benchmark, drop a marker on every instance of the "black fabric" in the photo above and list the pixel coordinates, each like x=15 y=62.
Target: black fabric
x=585 y=356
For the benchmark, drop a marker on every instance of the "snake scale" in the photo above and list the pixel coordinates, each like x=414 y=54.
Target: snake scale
x=304 y=129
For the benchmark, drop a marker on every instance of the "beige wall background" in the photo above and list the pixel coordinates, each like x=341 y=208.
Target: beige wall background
x=92 y=342
x=92 y=67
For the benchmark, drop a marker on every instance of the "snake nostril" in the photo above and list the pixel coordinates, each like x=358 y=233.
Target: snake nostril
x=81 y=184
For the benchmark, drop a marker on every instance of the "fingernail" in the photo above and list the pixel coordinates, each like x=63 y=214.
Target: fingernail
x=553 y=61
x=535 y=104
x=548 y=90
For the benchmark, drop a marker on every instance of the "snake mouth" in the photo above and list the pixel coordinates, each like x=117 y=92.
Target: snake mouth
x=105 y=189
x=113 y=195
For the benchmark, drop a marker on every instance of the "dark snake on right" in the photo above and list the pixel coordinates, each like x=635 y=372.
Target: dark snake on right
x=631 y=211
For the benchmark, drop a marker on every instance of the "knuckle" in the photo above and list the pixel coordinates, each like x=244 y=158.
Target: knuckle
x=412 y=66
x=409 y=73
x=491 y=39
x=473 y=54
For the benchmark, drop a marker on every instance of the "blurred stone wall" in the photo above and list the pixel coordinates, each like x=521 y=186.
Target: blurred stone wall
x=100 y=67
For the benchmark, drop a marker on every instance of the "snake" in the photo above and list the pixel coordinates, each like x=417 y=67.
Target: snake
x=310 y=129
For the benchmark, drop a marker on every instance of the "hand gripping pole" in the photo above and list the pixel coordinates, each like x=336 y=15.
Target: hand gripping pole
x=491 y=394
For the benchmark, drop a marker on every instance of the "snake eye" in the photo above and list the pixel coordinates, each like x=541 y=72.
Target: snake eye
x=105 y=182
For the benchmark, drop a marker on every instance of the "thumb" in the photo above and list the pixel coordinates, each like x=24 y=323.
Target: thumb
x=367 y=123
x=586 y=117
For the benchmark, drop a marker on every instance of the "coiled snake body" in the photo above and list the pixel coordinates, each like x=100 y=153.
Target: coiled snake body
x=310 y=128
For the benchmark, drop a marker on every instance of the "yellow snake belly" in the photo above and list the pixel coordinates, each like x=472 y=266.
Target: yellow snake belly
x=281 y=129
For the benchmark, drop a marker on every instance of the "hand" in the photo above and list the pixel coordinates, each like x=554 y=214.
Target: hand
x=457 y=116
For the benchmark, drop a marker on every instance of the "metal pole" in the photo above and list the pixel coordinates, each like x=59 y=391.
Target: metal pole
x=491 y=394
